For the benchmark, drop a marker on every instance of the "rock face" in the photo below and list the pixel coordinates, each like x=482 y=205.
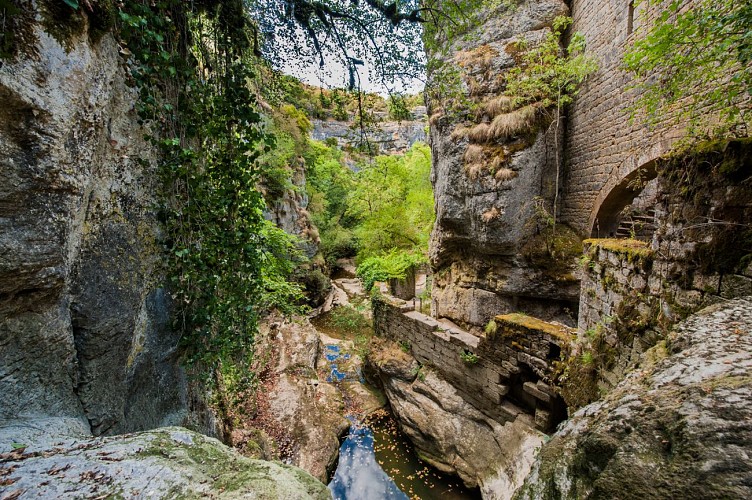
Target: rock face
x=450 y=433
x=171 y=462
x=681 y=427
x=84 y=329
x=289 y=212
x=299 y=412
x=494 y=175
x=389 y=137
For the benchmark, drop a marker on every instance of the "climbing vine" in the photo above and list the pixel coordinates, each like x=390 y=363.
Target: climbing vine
x=193 y=66
x=693 y=65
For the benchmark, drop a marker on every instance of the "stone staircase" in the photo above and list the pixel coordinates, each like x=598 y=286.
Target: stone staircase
x=640 y=226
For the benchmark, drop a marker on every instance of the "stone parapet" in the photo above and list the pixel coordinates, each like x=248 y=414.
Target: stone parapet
x=504 y=373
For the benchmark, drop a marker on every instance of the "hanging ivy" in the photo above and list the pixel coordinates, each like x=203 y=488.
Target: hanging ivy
x=193 y=65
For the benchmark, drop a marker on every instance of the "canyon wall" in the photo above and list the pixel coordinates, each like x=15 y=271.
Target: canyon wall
x=85 y=327
x=495 y=178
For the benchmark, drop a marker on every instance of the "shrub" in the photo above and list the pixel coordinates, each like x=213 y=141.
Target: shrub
x=384 y=267
x=468 y=357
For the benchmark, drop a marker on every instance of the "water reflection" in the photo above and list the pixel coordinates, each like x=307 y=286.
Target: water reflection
x=359 y=476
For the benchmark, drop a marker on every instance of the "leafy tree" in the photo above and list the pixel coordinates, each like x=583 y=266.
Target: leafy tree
x=694 y=64
x=398 y=109
x=393 y=200
x=329 y=182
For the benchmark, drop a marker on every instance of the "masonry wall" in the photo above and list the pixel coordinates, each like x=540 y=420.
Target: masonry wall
x=601 y=146
x=516 y=360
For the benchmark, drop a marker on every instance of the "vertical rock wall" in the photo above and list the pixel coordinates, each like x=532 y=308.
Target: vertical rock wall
x=491 y=185
x=84 y=331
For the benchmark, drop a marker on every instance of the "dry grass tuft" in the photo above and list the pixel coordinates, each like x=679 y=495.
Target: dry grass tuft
x=497 y=106
x=506 y=125
x=460 y=132
x=514 y=123
x=475 y=154
x=479 y=133
x=480 y=57
x=498 y=161
x=490 y=215
x=474 y=170
x=505 y=174
x=435 y=117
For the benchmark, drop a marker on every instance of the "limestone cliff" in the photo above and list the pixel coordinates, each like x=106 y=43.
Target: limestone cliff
x=84 y=330
x=494 y=176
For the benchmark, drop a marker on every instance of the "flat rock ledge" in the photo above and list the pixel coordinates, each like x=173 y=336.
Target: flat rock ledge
x=170 y=462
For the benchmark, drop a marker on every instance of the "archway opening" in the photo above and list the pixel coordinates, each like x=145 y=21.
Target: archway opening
x=628 y=209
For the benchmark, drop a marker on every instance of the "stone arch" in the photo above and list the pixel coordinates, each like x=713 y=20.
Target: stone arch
x=615 y=193
x=619 y=191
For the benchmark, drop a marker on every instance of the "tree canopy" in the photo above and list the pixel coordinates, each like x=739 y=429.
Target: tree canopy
x=387 y=34
x=696 y=64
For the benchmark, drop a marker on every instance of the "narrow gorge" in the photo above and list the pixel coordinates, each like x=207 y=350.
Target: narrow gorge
x=508 y=256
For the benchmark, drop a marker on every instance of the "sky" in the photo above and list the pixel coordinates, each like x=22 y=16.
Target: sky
x=334 y=75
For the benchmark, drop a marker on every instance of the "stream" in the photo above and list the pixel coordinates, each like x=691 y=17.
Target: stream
x=376 y=461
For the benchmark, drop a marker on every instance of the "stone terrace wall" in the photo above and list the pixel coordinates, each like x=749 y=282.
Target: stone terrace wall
x=601 y=146
x=618 y=287
x=631 y=295
x=517 y=359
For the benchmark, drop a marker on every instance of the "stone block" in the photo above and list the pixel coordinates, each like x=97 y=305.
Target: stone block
x=734 y=285
x=543 y=420
x=532 y=389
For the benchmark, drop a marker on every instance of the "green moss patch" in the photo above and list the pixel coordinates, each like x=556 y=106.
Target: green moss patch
x=516 y=324
x=633 y=250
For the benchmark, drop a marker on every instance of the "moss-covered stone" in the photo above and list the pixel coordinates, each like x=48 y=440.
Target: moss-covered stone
x=632 y=250
x=170 y=462
x=517 y=324
x=678 y=428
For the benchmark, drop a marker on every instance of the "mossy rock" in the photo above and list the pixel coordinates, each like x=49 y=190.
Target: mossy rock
x=520 y=325
x=633 y=250
x=171 y=462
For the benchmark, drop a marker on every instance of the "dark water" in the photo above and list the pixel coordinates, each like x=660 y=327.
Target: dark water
x=376 y=460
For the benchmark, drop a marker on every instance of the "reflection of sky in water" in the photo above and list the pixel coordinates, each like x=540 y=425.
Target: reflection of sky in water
x=359 y=476
x=332 y=354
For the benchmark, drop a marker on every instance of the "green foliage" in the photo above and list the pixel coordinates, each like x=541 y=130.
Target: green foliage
x=348 y=317
x=547 y=75
x=405 y=346
x=393 y=264
x=392 y=199
x=228 y=264
x=491 y=329
x=469 y=358
x=694 y=64
x=398 y=109
x=328 y=182
x=387 y=204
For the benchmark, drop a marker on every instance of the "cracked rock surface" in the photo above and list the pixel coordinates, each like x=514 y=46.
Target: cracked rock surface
x=679 y=427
